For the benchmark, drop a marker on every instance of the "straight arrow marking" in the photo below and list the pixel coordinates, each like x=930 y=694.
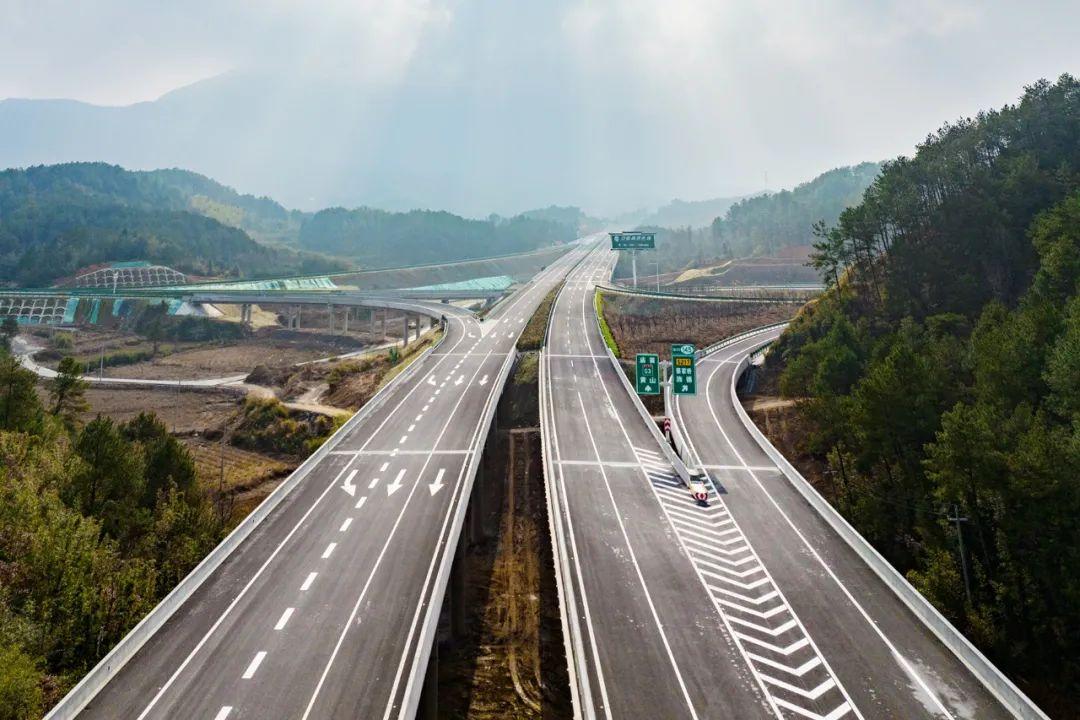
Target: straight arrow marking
x=396 y=485
x=438 y=484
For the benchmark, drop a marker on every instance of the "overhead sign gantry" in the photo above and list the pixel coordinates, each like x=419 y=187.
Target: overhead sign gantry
x=633 y=241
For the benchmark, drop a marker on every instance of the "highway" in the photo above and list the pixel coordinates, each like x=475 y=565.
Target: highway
x=328 y=608
x=644 y=638
x=889 y=664
x=747 y=607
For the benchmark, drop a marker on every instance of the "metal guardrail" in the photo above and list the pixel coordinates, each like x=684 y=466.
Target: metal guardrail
x=107 y=668
x=986 y=672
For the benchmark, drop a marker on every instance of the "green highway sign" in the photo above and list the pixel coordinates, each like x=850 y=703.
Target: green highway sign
x=683 y=369
x=647 y=377
x=633 y=240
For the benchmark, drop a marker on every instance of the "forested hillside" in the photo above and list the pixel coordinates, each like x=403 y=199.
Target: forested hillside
x=97 y=524
x=765 y=224
x=56 y=219
x=377 y=238
x=940 y=377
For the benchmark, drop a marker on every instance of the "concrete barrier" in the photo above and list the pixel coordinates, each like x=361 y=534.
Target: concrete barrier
x=77 y=699
x=993 y=679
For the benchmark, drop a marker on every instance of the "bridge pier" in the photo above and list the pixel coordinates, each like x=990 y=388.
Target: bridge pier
x=419 y=319
x=371 y=319
x=429 y=694
x=405 y=336
x=345 y=326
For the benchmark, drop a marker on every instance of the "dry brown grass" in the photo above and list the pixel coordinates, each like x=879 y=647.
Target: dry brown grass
x=653 y=325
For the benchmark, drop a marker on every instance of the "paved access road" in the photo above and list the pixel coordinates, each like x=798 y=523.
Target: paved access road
x=805 y=595
x=745 y=608
x=326 y=609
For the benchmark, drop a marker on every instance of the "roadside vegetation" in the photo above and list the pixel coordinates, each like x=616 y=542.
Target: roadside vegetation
x=653 y=325
x=98 y=521
x=938 y=379
x=532 y=337
x=605 y=330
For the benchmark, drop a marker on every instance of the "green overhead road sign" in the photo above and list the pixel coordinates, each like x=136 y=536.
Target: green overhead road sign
x=633 y=240
x=683 y=370
x=647 y=377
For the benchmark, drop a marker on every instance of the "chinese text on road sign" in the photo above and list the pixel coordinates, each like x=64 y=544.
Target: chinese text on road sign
x=647 y=377
x=633 y=240
x=683 y=370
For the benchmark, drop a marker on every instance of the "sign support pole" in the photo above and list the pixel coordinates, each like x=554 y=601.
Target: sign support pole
x=633 y=263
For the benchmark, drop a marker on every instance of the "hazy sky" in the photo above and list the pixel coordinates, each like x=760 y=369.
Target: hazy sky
x=720 y=92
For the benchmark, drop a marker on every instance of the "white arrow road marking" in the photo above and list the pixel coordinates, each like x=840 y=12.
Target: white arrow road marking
x=347 y=485
x=284 y=618
x=461 y=379
x=430 y=380
x=438 y=484
x=396 y=485
x=483 y=380
x=255 y=663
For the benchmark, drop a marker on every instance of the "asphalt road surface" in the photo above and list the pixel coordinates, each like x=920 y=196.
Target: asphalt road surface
x=747 y=607
x=324 y=610
x=888 y=664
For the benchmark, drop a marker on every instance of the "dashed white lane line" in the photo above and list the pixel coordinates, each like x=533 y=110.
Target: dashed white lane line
x=424 y=409
x=254 y=666
x=384 y=466
x=403 y=439
x=284 y=618
x=411 y=427
x=360 y=502
x=371 y=485
x=417 y=418
x=223 y=712
x=345 y=525
x=307 y=582
x=431 y=399
x=329 y=550
x=438 y=391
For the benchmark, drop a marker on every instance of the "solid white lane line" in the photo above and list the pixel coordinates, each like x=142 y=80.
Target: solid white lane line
x=223 y=712
x=284 y=618
x=329 y=549
x=307 y=582
x=255 y=663
x=345 y=525
x=360 y=502
x=372 y=484
x=384 y=466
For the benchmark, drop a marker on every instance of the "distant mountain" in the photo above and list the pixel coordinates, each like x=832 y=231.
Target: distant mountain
x=694 y=213
x=377 y=238
x=57 y=219
x=429 y=141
